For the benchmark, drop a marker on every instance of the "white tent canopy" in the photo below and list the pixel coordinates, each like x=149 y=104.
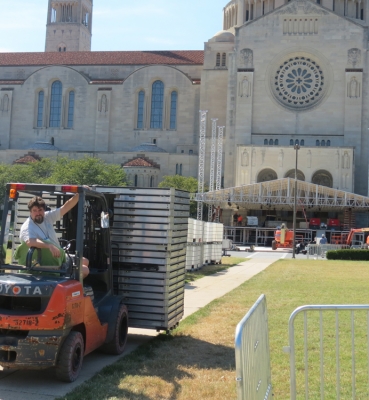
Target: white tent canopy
x=279 y=194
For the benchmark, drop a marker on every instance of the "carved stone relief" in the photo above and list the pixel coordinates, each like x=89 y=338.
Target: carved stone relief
x=114 y=72
x=103 y=104
x=245 y=159
x=20 y=73
x=253 y=157
x=302 y=7
x=346 y=161
x=353 y=88
x=300 y=26
x=354 y=56
x=280 y=158
x=4 y=105
x=244 y=89
x=246 y=58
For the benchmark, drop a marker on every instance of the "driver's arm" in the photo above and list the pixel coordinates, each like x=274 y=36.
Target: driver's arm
x=31 y=242
x=68 y=205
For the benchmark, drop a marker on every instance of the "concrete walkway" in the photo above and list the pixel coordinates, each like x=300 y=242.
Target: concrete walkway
x=42 y=385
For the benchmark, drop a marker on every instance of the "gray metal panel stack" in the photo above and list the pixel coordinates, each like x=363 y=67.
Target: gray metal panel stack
x=149 y=235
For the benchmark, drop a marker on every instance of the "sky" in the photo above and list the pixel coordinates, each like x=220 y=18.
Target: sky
x=119 y=24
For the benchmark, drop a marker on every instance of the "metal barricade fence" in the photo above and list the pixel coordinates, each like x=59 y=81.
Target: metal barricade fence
x=319 y=250
x=253 y=374
x=329 y=356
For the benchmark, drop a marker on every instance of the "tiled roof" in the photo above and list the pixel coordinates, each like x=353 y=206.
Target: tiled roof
x=180 y=57
x=31 y=157
x=140 y=162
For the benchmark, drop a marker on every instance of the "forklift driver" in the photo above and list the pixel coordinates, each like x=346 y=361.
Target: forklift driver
x=38 y=231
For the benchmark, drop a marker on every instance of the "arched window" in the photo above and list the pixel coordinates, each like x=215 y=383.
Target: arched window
x=224 y=59
x=157 y=100
x=302 y=142
x=173 y=110
x=270 y=142
x=71 y=109
x=328 y=142
x=317 y=143
x=151 y=181
x=218 y=60
x=297 y=142
x=291 y=142
x=276 y=142
x=177 y=169
x=265 y=142
x=55 y=104
x=180 y=169
x=323 y=143
x=40 y=109
x=190 y=152
x=136 y=180
x=140 y=109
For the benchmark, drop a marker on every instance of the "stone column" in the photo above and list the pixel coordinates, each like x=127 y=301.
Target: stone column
x=241 y=12
x=353 y=114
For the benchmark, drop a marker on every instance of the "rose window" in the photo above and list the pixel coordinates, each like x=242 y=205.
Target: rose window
x=299 y=83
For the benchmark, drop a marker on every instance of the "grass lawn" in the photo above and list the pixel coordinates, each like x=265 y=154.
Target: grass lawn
x=197 y=360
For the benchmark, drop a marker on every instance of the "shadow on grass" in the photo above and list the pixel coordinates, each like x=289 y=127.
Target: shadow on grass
x=164 y=359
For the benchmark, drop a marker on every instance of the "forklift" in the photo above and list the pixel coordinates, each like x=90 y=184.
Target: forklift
x=49 y=315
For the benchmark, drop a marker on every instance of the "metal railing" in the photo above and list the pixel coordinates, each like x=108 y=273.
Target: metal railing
x=329 y=356
x=320 y=250
x=253 y=374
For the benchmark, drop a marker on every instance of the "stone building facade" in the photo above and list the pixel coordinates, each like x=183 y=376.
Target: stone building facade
x=279 y=73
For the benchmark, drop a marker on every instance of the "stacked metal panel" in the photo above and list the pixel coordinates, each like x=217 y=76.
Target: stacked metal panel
x=149 y=235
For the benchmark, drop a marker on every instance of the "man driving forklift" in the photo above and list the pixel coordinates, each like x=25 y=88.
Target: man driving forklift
x=38 y=230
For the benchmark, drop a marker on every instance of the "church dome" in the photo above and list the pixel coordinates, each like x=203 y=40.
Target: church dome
x=223 y=36
x=148 y=148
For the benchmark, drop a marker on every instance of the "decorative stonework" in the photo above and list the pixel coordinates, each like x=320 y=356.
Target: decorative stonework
x=246 y=58
x=302 y=7
x=300 y=26
x=298 y=83
x=353 y=88
x=103 y=104
x=244 y=89
x=5 y=103
x=245 y=159
x=354 y=56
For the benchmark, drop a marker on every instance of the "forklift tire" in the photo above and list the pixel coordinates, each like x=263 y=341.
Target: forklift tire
x=274 y=245
x=70 y=359
x=118 y=342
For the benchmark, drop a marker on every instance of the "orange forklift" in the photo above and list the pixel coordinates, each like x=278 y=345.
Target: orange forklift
x=49 y=315
x=283 y=238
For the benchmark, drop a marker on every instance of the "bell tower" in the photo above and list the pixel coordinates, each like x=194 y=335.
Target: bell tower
x=69 y=25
